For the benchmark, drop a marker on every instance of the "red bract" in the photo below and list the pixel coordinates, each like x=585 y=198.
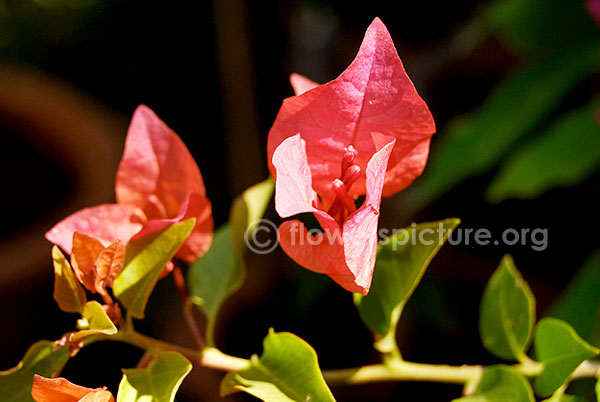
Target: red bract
x=373 y=95
x=347 y=247
x=365 y=133
x=158 y=184
x=61 y=390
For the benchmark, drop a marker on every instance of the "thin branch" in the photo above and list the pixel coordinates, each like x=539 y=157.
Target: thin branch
x=395 y=371
x=188 y=313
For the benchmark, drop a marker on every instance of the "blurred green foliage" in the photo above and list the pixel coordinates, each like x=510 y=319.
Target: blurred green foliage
x=556 y=44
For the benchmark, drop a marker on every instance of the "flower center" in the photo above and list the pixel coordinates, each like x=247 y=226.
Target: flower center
x=343 y=205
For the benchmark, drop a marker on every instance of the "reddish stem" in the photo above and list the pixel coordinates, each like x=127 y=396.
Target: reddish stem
x=187 y=307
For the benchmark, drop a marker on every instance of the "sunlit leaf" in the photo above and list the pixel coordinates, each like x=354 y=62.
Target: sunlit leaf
x=561 y=350
x=222 y=270
x=516 y=106
x=145 y=259
x=158 y=382
x=400 y=264
x=287 y=371
x=501 y=384
x=94 y=321
x=563 y=156
x=68 y=292
x=507 y=312
x=247 y=209
x=44 y=358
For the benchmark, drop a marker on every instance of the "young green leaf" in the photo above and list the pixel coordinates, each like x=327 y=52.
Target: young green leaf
x=563 y=156
x=246 y=210
x=158 y=382
x=287 y=371
x=145 y=259
x=507 y=313
x=561 y=350
x=94 y=321
x=68 y=292
x=214 y=277
x=400 y=264
x=501 y=384
x=221 y=271
x=44 y=358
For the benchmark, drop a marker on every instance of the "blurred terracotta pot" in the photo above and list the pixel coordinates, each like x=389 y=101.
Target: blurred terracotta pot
x=78 y=134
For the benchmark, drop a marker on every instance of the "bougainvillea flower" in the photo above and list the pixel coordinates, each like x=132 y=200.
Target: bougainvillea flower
x=94 y=265
x=158 y=184
x=346 y=248
x=372 y=96
x=62 y=390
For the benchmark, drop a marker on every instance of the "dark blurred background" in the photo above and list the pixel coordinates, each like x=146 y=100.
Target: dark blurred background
x=512 y=85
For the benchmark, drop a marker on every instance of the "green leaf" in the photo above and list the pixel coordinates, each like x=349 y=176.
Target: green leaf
x=541 y=26
x=68 y=292
x=561 y=350
x=564 y=398
x=563 y=156
x=507 y=313
x=221 y=271
x=516 y=106
x=246 y=210
x=145 y=259
x=94 y=321
x=400 y=264
x=214 y=277
x=44 y=358
x=598 y=390
x=287 y=371
x=158 y=382
x=501 y=384
x=579 y=304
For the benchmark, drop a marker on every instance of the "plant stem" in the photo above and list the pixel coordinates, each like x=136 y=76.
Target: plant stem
x=396 y=370
x=207 y=357
x=403 y=371
x=187 y=307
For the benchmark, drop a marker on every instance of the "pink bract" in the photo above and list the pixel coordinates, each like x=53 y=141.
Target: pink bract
x=347 y=247
x=372 y=96
x=158 y=183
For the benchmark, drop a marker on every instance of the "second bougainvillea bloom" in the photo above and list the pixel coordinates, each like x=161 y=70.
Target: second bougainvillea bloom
x=372 y=96
x=346 y=248
x=158 y=184
x=62 y=390
x=94 y=265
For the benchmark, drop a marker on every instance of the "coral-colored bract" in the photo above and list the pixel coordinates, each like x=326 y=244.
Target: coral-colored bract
x=373 y=95
x=365 y=133
x=347 y=248
x=158 y=184
x=61 y=390
x=94 y=265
